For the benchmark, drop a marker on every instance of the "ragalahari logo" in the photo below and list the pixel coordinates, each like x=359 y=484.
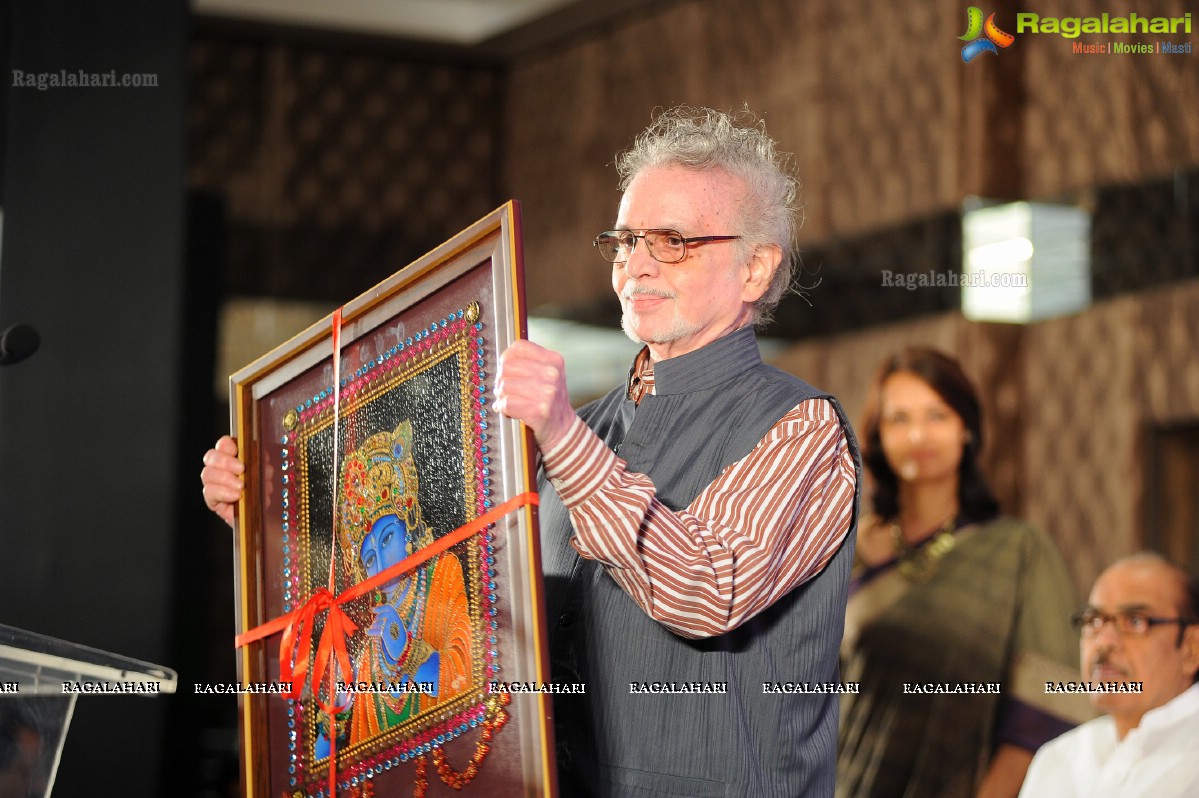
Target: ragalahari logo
x=991 y=39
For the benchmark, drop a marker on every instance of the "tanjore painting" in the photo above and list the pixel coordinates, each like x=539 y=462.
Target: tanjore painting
x=388 y=569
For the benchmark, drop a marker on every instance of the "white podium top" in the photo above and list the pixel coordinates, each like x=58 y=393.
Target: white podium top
x=33 y=664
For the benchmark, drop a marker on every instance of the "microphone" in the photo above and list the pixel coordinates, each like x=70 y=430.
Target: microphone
x=17 y=343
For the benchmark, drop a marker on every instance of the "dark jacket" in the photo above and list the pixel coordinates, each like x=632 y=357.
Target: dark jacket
x=711 y=408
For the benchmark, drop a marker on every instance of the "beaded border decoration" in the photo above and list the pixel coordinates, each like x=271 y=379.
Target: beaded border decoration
x=459 y=335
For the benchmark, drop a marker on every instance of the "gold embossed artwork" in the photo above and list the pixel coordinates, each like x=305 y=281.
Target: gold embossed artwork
x=388 y=567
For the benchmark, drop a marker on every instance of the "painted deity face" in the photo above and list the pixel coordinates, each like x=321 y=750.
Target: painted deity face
x=385 y=545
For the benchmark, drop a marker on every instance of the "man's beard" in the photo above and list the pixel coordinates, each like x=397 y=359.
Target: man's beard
x=676 y=328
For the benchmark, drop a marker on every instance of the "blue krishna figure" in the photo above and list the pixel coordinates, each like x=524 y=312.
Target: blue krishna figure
x=421 y=635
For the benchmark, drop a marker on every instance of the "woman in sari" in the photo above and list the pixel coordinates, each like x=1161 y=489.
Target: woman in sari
x=957 y=616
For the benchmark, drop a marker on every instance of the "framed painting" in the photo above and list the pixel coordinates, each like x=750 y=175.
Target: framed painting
x=388 y=571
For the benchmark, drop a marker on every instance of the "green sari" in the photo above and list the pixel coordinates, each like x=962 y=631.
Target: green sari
x=954 y=664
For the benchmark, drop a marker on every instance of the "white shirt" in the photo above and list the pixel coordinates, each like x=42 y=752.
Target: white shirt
x=1159 y=758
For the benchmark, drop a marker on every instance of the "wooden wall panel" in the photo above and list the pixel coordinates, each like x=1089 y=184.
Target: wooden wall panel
x=886 y=122
x=1093 y=119
x=338 y=166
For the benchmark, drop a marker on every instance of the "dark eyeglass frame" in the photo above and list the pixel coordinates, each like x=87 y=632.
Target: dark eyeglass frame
x=656 y=231
x=1123 y=622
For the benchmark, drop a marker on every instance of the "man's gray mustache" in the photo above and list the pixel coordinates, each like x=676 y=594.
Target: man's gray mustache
x=641 y=290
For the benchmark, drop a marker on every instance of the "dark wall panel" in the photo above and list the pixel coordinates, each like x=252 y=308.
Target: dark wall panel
x=92 y=255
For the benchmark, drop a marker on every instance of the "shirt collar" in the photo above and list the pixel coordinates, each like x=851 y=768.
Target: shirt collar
x=726 y=358
x=1183 y=705
x=641 y=376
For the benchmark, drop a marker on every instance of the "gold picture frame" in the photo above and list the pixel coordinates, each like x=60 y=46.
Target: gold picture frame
x=403 y=471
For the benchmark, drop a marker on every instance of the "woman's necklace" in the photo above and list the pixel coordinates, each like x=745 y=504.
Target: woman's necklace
x=918 y=563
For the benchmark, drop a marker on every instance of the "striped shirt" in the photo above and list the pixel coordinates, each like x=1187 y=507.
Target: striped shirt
x=769 y=522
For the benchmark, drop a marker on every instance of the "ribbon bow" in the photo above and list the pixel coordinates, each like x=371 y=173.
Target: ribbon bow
x=331 y=652
x=296 y=646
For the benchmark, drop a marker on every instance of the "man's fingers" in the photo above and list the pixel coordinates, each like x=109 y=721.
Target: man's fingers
x=222 y=487
x=222 y=471
x=224 y=509
x=531 y=387
x=220 y=458
x=222 y=480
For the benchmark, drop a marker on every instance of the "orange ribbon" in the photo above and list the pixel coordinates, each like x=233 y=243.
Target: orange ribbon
x=297 y=644
x=297 y=624
x=331 y=652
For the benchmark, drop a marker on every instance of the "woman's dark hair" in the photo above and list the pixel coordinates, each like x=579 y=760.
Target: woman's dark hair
x=943 y=374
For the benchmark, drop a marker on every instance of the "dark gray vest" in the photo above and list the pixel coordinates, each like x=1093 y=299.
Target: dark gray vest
x=711 y=408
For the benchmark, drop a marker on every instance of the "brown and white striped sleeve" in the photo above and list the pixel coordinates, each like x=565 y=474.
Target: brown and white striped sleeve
x=768 y=523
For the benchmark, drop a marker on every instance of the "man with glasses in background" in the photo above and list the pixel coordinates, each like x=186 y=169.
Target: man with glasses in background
x=1140 y=628
x=697 y=522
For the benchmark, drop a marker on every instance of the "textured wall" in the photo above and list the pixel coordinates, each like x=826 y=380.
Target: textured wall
x=1096 y=383
x=341 y=162
x=1084 y=414
x=339 y=166
x=885 y=120
x=1108 y=119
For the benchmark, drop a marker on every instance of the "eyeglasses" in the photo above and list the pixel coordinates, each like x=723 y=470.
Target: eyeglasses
x=1132 y=623
x=665 y=246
